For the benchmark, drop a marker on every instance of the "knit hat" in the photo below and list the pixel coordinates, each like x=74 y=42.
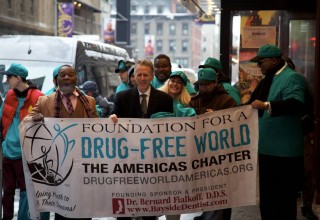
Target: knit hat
x=89 y=86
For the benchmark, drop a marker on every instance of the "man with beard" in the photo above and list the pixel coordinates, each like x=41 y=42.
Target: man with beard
x=21 y=97
x=66 y=102
x=280 y=98
x=211 y=97
x=162 y=71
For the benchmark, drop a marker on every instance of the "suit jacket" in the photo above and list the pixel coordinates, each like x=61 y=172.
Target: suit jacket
x=127 y=103
x=45 y=105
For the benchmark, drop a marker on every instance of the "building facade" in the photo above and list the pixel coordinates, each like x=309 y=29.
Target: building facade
x=165 y=27
x=26 y=17
x=37 y=17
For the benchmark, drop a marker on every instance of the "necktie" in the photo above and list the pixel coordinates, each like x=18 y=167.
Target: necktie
x=144 y=108
x=69 y=105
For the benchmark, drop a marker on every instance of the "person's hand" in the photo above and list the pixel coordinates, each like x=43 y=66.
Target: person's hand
x=260 y=105
x=209 y=110
x=114 y=118
x=38 y=117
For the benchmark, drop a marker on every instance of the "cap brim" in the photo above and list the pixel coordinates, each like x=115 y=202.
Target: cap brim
x=256 y=59
x=120 y=70
x=5 y=73
x=206 y=66
x=203 y=81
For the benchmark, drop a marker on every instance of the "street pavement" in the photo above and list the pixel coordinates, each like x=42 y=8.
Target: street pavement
x=240 y=213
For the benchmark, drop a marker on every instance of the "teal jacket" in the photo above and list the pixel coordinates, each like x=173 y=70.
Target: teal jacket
x=232 y=91
x=179 y=110
x=281 y=135
x=122 y=86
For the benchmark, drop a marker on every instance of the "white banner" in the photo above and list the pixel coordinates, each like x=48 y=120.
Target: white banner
x=141 y=167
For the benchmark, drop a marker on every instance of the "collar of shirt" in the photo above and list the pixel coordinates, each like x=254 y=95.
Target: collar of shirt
x=73 y=98
x=147 y=93
x=280 y=70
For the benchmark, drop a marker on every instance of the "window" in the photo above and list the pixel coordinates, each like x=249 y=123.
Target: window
x=180 y=8
x=185 y=28
x=172 y=45
x=159 y=45
x=133 y=28
x=133 y=9
x=182 y=61
x=146 y=9
x=160 y=9
x=9 y=4
x=32 y=7
x=21 y=6
x=159 y=28
x=147 y=28
x=172 y=29
x=184 y=46
x=133 y=43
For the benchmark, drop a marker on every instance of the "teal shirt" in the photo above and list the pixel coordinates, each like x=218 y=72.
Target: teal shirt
x=122 y=86
x=157 y=84
x=11 y=147
x=282 y=135
x=233 y=92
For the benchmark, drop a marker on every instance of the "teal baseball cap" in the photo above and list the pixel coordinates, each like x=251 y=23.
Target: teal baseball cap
x=211 y=62
x=181 y=75
x=16 y=69
x=267 y=51
x=121 y=66
x=206 y=75
x=56 y=70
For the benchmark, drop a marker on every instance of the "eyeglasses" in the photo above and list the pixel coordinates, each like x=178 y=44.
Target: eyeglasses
x=261 y=61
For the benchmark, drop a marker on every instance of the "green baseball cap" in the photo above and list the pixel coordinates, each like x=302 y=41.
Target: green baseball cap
x=206 y=75
x=267 y=51
x=16 y=70
x=212 y=63
x=181 y=75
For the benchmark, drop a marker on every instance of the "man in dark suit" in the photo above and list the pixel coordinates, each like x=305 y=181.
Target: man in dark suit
x=128 y=103
x=141 y=101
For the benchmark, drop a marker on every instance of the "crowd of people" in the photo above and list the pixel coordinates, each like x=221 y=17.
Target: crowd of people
x=151 y=90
